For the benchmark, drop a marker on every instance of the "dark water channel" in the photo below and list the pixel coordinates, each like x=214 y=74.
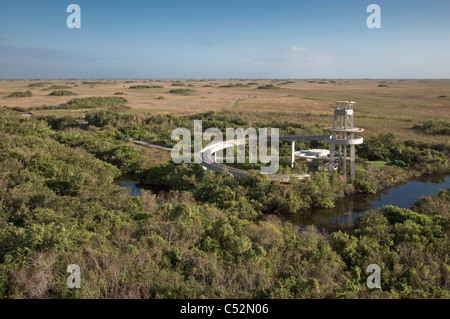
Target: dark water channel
x=133 y=190
x=347 y=209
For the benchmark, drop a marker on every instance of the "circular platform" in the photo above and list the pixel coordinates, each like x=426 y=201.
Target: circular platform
x=313 y=154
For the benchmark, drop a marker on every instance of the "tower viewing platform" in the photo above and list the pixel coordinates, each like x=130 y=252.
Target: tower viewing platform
x=342 y=137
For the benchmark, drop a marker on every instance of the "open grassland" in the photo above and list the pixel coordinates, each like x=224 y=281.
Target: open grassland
x=393 y=106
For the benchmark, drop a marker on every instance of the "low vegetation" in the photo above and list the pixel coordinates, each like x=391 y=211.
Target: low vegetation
x=62 y=93
x=95 y=82
x=268 y=87
x=434 y=127
x=96 y=102
x=21 y=94
x=235 y=85
x=182 y=91
x=58 y=87
x=110 y=103
x=146 y=87
x=38 y=84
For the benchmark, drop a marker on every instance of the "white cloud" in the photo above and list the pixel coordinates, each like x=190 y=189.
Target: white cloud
x=309 y=56
x=297 y=49
x=300 y=56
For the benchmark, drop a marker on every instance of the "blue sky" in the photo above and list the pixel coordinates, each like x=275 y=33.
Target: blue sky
x=225 y=39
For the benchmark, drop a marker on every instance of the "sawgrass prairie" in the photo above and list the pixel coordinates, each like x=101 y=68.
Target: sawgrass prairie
x=389 y=105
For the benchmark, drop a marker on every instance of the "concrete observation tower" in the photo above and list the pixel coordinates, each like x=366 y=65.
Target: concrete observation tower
x=341 y=138
x=342 y=135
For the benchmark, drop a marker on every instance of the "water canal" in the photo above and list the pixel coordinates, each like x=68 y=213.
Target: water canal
x=347 y=209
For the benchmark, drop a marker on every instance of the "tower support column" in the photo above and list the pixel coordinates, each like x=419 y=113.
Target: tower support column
x=292 y=154
x=352 y=162
x=343 y=135
x=332 y=157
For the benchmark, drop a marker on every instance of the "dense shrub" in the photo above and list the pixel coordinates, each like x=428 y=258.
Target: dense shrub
x=235 y=85
x=102 y=118
x=146 y=87
x=182 y=91
x=19 y=109
x=434 y=127
x=438 y=205
x=38 y=84
x=204 y=236
x=423 y=157
x=61 y=122
x=110 y=103
x=95 y=102
x=21 y=94
x=96 y=82
x=58 y=87
x=62 y=93
x=268 y=87
x=407 y=246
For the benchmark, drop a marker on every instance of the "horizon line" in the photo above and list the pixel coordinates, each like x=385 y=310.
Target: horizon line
x=207 y=78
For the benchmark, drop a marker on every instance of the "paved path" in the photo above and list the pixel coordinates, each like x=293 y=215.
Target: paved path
x=234 y=101
x=239 y=173
x=165 y=148
x=206 y=154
